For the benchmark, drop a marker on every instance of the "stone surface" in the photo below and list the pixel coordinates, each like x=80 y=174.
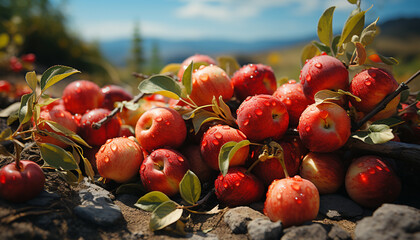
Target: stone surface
x=202 y=236
x=237 y=218
x=264 y=229
x=44 y=199
x=96 y=206
x=306 y=232
x=338 y=233
x=390 y=221
x=337 y=207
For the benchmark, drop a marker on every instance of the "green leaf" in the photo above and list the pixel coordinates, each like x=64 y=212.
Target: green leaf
x=226 y=110
x=150 y=201
x=388 y=60
x=59 y=137
x=5 y=134
x=164 y=215
x=334 y=45
x=13 y=117
x=391 y=122
x=227 y=152
x=404 y=95
x=308 y=52
x=376 y=134
x=187 y=78
x=26 y=106
x=352 y=1
x=47 y=100
x=57 y=157
x=31 y=79
x=322 y=47
x=325 y=33
x=203 y=116
x=353 y=26
x=190 y=187
x=229 y=64
x=368 y=34
x=326 y=95
x=161 y=84
x=55 y=74
x=61 y=129
x=131 y=188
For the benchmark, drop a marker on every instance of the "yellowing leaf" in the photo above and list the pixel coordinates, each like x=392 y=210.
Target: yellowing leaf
x=171 y=68
x=325 y=33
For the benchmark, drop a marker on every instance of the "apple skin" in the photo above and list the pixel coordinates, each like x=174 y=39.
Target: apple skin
x=130 y=117
x=238 y=188
x=253 y=79
x=324 y=127
x=97 y=137
x=292 y=201
x=292 y=96
x=163 y=170
x=82 y=95
x=370 y=181
x=160 y=127
x=325 y=170
x=197 y=164
x=21 y=186
x=196 y=58
x=209 y=81
x=119 y=159
x=262 y=116
x=372 y=86
x=215 y=138
x=59 y=116
x=114 y=93
x=323 y=72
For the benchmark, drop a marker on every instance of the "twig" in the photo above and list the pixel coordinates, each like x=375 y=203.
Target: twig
x=140 y=76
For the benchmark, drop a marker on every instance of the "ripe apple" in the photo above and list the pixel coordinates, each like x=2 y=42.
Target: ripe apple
x=371 y=182
x=130 y=117
x=372 y=86
x=292 y=96
x=97 y=137
x=119 y=159
x=209 y=81
x=253 y=79
x=163 y=170
x=292 y=201
x=197 y=164
x=114 y=93
x=323 y=72
x=325 y=170
x=262 y=116
x=324 y=127
x=271 y=169
x=215 y=138
x=160 y=127
x=196 y=58
x=21 y=185
x=238 y=187
x=126 y=131
x=59 y=116
x=82 y=95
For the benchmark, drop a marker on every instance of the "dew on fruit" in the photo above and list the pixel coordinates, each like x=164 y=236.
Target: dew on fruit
x=114 y=147
x=297 y=178
x=258 y=111
x=108 y=141
x=323 y=114
x=215 y=142
x=204 y=77
x=308 y=77
x=267 y=103
x=379 y=168
x=225 y=185
x=218 y=135
x=224 y=74
x=318 y=65
x=246 y=122
x=273 y=104
x=278 y=196
x=106 y=159
x=298 y=200
x=226 y=127
x=296 y=186
x=363 y=177
x=288 y=101
x=237 y=184
x=252 y=76
x=373 y=74
x=159 y=119
x=371 y=170
x=220 y=177
x=142 y=167
x=2 y=179
x=368 y=83
x=241 y=174
x=386 y=169
x=180 y=159
x=204 y=143
x=167 y=123
x=78 y=90
x=167 y=155
x=308 y=129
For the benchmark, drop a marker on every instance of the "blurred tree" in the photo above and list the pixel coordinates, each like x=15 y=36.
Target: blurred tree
x=136 y=60
x=155 y=60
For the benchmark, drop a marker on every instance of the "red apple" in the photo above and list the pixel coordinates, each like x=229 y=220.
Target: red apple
x=130 y=117
x=292 y=201
x=324 y=127
x=292 y=96
x=113 y=94
x=372 y=86
x=197 y=164
x=126 y=131
x=21 y=185
x=196 y=58
x=323 y=72
x=325 y=170
x=163 y=170
x=215 y=138
x=238 y=187
x=82 y=95
x=97 y=137
x=262 y=116
x=253 y=79
x=119 y=159
x=5 y=86
x=160 y=127
x=209 y=81
x=371 y=182
x=59 y=116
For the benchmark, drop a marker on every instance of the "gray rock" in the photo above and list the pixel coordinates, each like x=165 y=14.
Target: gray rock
x=337 y=207
x=96 y=206
x=202 y=236
x=237 y=218
x=44 y=199
x=264 y=229
x=390 y=221
x=337 y=233
x=306 y=232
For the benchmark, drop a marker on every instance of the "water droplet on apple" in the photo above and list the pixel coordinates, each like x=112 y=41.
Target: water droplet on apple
x=142 y=167
x=323 y=114
x=237 y=183
x=108 y=141
x=308 y=129
x=298 y=200
x=273 y=104
x=204 y=143
x=114 y=147
x=218 y=135
x=292 y=81
x=258 y=111
x=247 y=98
x=368 y=83
x=225 y=127
x=78 y=90
x=246 y=122
x=288 y=101
x=225 y=185
x=180 y=159
x=241 y=174
x=106 y=159
x=224 y=74
x=386 y=169
x=267 y=103
x=159 y=119
x=2 y=179
x=204 y=77
x=379 y=168
x=318 y=65
x=308 y=77
x=278 y=196
x=167 y=155
x=373 y=74
x=371 y=170
x=220 y=177
x=215 y=142
x=296 y=186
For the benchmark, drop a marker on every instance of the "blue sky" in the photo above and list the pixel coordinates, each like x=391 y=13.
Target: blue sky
x=238 y=20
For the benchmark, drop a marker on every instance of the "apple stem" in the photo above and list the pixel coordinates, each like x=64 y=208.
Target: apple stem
x=280 y=156
x=199 y=202
x=17 y=156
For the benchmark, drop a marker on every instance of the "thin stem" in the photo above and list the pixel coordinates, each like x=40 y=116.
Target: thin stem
x=201 y=201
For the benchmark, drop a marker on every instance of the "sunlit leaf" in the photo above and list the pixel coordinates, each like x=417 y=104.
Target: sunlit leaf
x=226 y=110
x=57 y=157
x=353 y=26
x=376 y=134
x=61 y=129
x=190 y=187
x=59 y=137
x=325 y=33
x=26 y=106
x=47 y=100
x=31 y=79
x=352 y=1
x=55 y=74
x=161 y=84
x=308 y=52
x=187 y=78
x=227 y=151
x=229 y=64
x=202 y=117
x=151 y=200
x=164 y=215
x=369 y=33
x=171 y=68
